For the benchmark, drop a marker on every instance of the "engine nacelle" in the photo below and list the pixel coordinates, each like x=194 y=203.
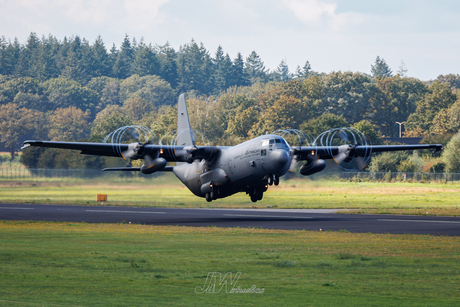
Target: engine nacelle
x=312 y=168
x=157 y=165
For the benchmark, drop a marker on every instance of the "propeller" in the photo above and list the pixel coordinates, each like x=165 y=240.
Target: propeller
x=354 y=153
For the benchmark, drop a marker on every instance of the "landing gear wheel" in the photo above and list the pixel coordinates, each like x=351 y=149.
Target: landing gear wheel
x=213 y=195
x=270 y=180
x=260 y=195
x=254 y=195
x=208 y=197
x=277 y=180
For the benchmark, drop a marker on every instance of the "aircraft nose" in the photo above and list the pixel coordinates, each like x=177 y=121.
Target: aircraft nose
x=279 y=162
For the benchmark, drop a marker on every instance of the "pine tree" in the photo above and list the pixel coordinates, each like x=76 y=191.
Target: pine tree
x=255 y=68
x=99 y=58
x=145 y=61
x=282 y=72
x=45 y=66
x=381 y=68
x=219 y=74
x=168 y=64
x=194 y=69
x=9 y=57
x=238 y=76
x=27 y=56
x=123 y=64
x=304 y=72
x=402 y=69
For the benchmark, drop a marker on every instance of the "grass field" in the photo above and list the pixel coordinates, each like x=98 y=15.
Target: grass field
x=74 y=264
x=167 y=191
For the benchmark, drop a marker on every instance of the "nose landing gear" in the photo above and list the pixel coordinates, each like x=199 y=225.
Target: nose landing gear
x=273 y=179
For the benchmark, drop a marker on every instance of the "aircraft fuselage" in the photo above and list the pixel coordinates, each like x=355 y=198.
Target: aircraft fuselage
x=248 y=167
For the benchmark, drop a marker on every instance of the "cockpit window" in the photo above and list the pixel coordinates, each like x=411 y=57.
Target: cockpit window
x=277 y=140
x=264 y=142
x=272 y=141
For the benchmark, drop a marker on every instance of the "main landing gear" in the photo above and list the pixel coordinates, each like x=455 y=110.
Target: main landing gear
x=257 y=193
x=213 y=195
x=273 y=179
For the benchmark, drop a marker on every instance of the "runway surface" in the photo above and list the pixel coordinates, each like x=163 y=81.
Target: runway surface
x=265 y=218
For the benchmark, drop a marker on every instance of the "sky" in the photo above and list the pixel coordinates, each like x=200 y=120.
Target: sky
x=332 y=35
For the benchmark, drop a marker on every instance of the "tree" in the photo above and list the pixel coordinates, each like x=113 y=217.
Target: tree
x=136 y=108
x=27 y=56
x=447 y=121
x=348 y=94
x=9 y=56
x=287 y=113
x=150 y=88
x=255 y=69
x=451 y=155
x=439 y=96
x=381 y=69
x=368 y=130
x=305 y=72
x=124 y=60
x=45 y=67
x=164 y=121
x=394 y=100
x=238 y=75
x=402 y=71
x=99 y=59
x=222 y=70
x=63 y=93
x=107 y=121
x=387 y=161
x=240 y=125
x=68 y=124
x=168 y=63
x=25 y=92
x=194 y=69
x=16 y=124
x=326 y=121
x=282 y=72
x=75 y=69
x=146 y=61
x=452 y=79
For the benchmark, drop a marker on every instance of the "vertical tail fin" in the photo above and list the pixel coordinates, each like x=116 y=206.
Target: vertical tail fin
x=184 y=132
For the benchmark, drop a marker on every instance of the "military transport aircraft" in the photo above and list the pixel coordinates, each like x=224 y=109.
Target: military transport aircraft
x=215 y=171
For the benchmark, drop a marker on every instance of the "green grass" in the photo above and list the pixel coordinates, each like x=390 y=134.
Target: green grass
x=75 y=264
x=167 y=191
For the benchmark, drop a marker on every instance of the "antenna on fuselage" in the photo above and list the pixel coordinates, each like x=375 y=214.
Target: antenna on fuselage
x=184 y=131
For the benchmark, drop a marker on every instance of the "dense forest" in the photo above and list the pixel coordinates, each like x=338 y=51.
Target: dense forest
x=72 y=89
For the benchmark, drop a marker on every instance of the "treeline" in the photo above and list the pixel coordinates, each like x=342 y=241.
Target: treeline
x=192 y=67
x=86 y=98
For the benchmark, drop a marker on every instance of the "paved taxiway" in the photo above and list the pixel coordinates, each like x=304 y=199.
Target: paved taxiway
x=265 y=218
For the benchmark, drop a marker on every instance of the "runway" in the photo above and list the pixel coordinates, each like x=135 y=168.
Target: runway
x=264 y=218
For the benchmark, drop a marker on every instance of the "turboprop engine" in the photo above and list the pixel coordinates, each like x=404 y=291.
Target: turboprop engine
x=313 y=167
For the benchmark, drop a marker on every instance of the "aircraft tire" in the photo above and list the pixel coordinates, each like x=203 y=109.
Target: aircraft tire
x=254 y=198
x=277 y=180
x=260 y=195
x=270 y=180
x=208 y=197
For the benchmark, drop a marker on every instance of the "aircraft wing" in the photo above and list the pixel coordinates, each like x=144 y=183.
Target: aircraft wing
x=330 y=152
x=315 y=155
x=133 y=150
